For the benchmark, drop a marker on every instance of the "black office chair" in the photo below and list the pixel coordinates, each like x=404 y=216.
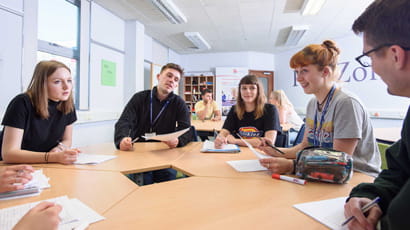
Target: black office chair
x=282 y=140
x=194 y=134
x=299 y=137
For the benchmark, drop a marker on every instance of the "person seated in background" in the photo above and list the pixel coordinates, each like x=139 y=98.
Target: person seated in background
x=334 y=118
x=385 y=26
x=42 y=216
x=207 y=109
x=287 y=114
x=251 y=118
x=38 y=124
x=156 y=111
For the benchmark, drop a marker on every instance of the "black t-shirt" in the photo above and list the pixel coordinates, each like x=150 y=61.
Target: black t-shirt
x=40 y=135
x=249 y=127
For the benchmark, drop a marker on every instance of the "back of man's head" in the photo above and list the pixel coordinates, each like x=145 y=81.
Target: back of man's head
x=385 y=22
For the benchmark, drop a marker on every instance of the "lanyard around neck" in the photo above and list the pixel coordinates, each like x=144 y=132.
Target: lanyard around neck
x=317 y=141
x=159 y=114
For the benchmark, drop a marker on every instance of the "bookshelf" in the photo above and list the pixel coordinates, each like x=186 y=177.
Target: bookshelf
x=193 y=86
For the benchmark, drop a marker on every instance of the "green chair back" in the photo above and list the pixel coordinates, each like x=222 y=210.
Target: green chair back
x=382 y=149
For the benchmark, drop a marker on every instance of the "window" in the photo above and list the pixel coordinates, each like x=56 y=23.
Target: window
x=59 y=35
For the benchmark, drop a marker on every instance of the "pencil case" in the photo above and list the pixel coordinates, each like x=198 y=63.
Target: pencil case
x=324 y=164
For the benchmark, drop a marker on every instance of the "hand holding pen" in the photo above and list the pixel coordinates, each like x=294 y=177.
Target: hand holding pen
x=270 y=149
x=355 y=210
x=65 y=155
x=220 y=140
x=127 y=142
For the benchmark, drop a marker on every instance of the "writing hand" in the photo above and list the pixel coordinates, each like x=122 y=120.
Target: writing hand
x=68 y=156
x=43 y=216
x=126 y=144
x=220 y=141
x=354 y=208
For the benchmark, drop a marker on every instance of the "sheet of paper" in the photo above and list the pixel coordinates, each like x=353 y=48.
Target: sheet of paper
x=73 y=214
x=328 y=212
x=84 y=158
x=246 y=165
x=168 y=136
x=39 y=180
x=209 y=146
x=256 y=152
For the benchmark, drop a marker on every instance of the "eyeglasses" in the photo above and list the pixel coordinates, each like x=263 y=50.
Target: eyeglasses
x=364 y=59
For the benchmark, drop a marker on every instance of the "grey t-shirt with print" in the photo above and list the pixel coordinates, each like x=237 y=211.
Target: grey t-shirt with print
x=346 y=118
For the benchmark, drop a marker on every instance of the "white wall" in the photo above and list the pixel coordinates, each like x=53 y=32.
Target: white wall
x=10 y=52
x=106 y=27
x=159 y=53
x=371 y=90
x=208 y=61
x=148 y=48
x=14 y=5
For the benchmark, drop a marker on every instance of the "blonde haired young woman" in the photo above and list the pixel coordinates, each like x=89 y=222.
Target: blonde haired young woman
x=287 y=113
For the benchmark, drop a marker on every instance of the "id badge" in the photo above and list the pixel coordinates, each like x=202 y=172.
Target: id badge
x=150 y=134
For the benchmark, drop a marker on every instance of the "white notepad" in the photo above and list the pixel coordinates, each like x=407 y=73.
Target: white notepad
x=328 y=212
x=246 y=165
x=92 y=159
x=73 y=214
x=209 y=147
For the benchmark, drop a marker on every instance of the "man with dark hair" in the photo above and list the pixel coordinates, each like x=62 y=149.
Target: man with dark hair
x=207 y=109
x=385 y=26
x=156 y=111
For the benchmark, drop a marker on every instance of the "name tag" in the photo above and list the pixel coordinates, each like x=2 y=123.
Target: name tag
x=150 y=134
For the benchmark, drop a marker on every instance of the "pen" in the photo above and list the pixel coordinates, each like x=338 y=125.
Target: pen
x=288 y=178
x=215 y=133
x=365 y=208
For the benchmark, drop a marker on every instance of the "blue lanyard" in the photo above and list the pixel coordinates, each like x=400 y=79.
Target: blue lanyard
x=159 y=114
x=318 y=133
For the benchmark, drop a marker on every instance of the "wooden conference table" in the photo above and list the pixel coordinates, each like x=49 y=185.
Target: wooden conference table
x=215 y=196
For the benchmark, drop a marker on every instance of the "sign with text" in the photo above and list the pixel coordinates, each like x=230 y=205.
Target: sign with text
x=108 y=73
x=227 y=80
